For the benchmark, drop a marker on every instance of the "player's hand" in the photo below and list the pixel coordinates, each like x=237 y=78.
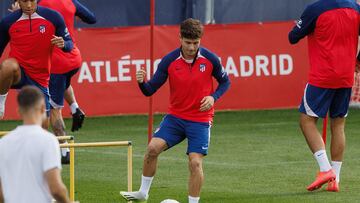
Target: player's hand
x=14 y=7
x=207 y=103
x=140 y=76
x=58 y=41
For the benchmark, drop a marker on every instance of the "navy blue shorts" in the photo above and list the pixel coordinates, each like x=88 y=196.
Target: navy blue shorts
x=174 y=130
x=317 y=102
x=26 y=80
x=57 y=85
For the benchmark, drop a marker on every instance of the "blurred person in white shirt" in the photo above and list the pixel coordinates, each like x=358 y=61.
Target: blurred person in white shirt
x=30 y=169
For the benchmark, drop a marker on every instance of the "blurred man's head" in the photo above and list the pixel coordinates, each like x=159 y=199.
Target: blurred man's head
x=28 y=6
x=191 y=31
x=31 y=104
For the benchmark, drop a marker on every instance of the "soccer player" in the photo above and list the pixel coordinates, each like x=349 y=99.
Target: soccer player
x=32 y=32
x=355 y=94
x=332 y=27
x=190 y=70
x=30 y=169
x=64 y=66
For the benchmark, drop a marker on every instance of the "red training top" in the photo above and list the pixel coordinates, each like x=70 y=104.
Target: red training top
x=332 y=27
x=30 y=40
x=65 y=62
x=190 y=82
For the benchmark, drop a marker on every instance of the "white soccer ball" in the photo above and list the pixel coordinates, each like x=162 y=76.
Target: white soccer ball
x=169 y=201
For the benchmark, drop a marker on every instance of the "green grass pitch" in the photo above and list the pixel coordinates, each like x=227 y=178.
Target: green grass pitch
x=254 y=156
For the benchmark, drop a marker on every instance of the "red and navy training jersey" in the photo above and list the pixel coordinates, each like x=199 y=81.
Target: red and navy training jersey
x=65 y=62
x=30 y=40
x=189 y=83
x=332 y=27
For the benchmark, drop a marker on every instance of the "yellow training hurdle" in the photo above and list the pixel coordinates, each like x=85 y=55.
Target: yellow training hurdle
x=72 y=147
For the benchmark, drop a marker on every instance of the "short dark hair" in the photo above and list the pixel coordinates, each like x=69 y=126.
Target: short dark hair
x=29 y=97
x=191 y=29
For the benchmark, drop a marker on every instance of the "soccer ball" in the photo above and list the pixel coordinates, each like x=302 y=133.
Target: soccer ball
x=169 y=201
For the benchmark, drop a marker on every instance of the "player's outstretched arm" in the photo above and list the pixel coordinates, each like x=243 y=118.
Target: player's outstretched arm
x=219 y=74
x=304 y=26
x=160 y=77
x=68 y=43
x=63 y=32
x=224 y=83
x=84 y=13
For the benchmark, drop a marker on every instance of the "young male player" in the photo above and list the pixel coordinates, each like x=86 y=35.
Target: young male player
x=190 y=70
x=30 y=169
x=32 y=33
x=332 y=27
x=64 y=66
x=69 y=9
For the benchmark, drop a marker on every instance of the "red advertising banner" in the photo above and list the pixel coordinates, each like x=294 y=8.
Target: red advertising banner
x=266 y=72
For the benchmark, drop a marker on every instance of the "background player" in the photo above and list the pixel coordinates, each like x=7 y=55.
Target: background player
x=355 y=95
x=72 y=60
x=332 y=27
x=30 y=169
x=190 y=70
x=32 y=32
x=64 y=66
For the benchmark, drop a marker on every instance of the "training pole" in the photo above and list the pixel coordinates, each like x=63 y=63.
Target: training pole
x=130 y=167
x=72 y=171
x=324 y=129
x=152 y=23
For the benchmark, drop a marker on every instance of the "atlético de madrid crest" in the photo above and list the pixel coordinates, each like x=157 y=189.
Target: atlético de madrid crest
x=202 y=67
x=42 y=29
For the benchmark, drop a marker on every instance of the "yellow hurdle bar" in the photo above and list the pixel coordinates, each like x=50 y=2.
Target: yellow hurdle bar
x=72 y=147
x=64 y=138
x=60 y=138
x=97 y=144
